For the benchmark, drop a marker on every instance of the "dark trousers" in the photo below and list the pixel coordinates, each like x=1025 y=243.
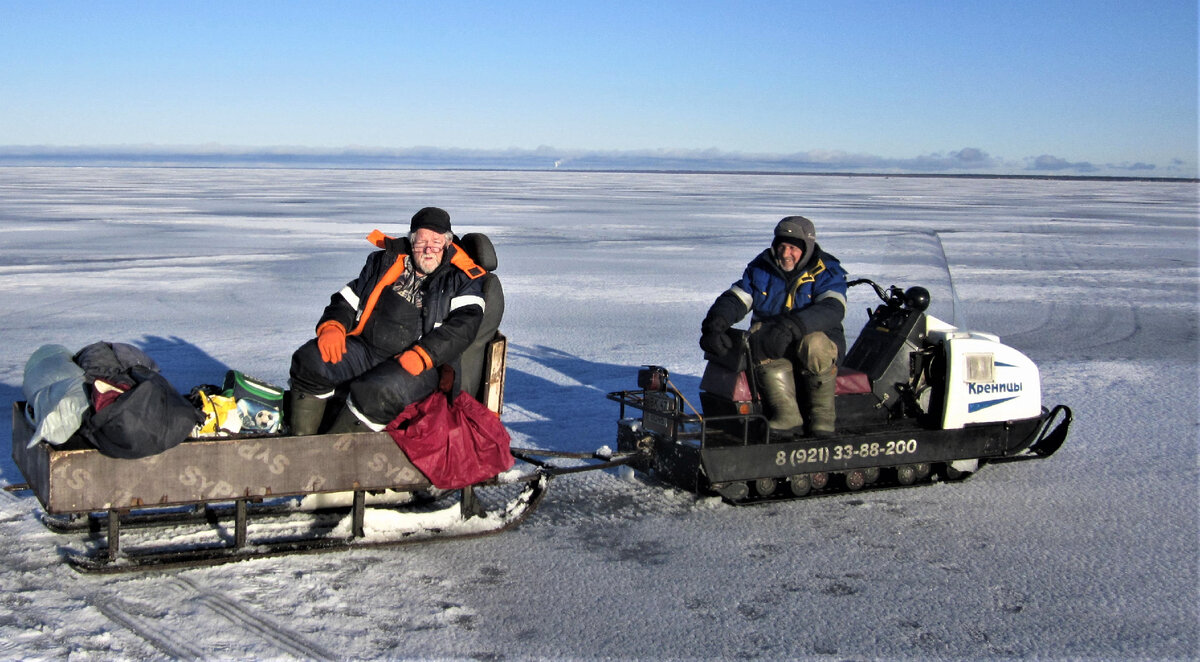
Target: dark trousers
x=378 y=387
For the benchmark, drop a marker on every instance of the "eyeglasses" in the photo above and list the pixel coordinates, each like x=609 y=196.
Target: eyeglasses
x=422 y=246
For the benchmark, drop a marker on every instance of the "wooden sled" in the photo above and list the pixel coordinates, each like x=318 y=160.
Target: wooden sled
x=254 y=496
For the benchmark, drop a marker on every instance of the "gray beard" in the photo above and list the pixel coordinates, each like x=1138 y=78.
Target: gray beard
x=408 y=285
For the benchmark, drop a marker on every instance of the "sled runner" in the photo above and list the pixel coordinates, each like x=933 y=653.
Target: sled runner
x=916 y=399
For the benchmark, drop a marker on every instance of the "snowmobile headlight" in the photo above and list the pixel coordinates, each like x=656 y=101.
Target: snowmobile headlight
x=981 y=368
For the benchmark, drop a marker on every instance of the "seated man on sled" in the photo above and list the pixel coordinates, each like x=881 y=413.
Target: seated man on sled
x=797 y=294
x=416 y=305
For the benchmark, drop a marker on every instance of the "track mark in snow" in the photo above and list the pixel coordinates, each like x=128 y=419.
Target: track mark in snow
x=156 y=620
x=1095 y=320
x=158 y=636
x=286 y=640
x=601 y=496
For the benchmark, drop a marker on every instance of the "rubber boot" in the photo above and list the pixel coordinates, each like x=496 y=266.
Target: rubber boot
x=821 y=389
x=346 y=422
x=305 y=412
x=779 y=391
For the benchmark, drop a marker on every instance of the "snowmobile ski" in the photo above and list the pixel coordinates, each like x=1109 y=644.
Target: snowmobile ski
x=329 y=530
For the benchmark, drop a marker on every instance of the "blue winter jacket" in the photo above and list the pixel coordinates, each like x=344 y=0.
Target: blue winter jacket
x=812 y=298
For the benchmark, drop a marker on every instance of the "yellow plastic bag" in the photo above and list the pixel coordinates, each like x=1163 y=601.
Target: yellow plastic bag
x=221 y=416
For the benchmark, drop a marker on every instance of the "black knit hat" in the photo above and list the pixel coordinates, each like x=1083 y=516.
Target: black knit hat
x=431 y=218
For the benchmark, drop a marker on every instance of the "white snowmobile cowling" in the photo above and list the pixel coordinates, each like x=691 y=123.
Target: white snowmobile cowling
x=986 y=380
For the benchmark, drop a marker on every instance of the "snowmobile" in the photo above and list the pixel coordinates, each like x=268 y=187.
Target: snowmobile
x=917 y=400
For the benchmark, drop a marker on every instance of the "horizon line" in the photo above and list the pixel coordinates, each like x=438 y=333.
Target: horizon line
x=968 y=162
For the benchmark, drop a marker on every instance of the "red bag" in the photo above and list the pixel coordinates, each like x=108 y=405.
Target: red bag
x=454 y=444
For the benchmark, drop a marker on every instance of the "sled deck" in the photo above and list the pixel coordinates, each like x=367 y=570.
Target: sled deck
x=214 y=500
x=210 y=501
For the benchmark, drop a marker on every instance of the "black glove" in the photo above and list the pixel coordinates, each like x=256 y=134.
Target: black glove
x=771 y=340
x=713 y=338
x=717 y=344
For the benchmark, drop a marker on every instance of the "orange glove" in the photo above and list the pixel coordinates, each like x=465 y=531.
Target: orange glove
x=415 y=360
x=331 y=339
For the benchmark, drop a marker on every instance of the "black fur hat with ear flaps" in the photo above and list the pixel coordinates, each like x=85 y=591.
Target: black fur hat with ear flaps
x=799 y=232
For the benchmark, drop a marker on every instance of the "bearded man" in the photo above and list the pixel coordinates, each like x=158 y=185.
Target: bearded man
x=417 y=304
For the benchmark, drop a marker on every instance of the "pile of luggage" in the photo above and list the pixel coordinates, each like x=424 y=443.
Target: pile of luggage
x=112 y=396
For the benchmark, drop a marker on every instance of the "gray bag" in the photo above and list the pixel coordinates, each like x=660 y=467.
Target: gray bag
x=55 y=400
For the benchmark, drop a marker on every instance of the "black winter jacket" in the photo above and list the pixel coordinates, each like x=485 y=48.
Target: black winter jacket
x=453 y=303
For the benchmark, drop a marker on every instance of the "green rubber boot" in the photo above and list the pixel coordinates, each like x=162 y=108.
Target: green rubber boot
x=345 y=422
x=305 y=412
x=779 y=391
x=821 y=389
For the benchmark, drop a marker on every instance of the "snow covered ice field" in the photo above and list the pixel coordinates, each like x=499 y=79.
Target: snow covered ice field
x=1091 y=553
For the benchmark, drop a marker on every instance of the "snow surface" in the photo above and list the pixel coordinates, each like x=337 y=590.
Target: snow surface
x=1089 y=554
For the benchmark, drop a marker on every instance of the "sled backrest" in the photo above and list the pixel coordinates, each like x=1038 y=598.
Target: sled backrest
x=883 y=350
x=482 y=364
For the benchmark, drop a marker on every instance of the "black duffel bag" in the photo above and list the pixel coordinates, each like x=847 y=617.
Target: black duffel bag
x=148 y=418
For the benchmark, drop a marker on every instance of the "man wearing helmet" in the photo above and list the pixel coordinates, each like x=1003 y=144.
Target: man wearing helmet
x=796 y=293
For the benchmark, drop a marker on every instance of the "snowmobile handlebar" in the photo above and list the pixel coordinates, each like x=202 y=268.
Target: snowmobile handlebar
x=915 y=297
x=867 y=281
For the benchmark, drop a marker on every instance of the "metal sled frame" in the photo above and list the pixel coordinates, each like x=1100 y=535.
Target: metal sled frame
x=204 y=481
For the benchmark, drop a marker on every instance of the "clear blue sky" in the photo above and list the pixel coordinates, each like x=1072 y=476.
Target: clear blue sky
x=1111 y=84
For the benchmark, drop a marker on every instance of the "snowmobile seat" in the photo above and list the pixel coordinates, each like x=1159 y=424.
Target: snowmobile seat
x=474 y=378
x=733 y=385
x=852 y=382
